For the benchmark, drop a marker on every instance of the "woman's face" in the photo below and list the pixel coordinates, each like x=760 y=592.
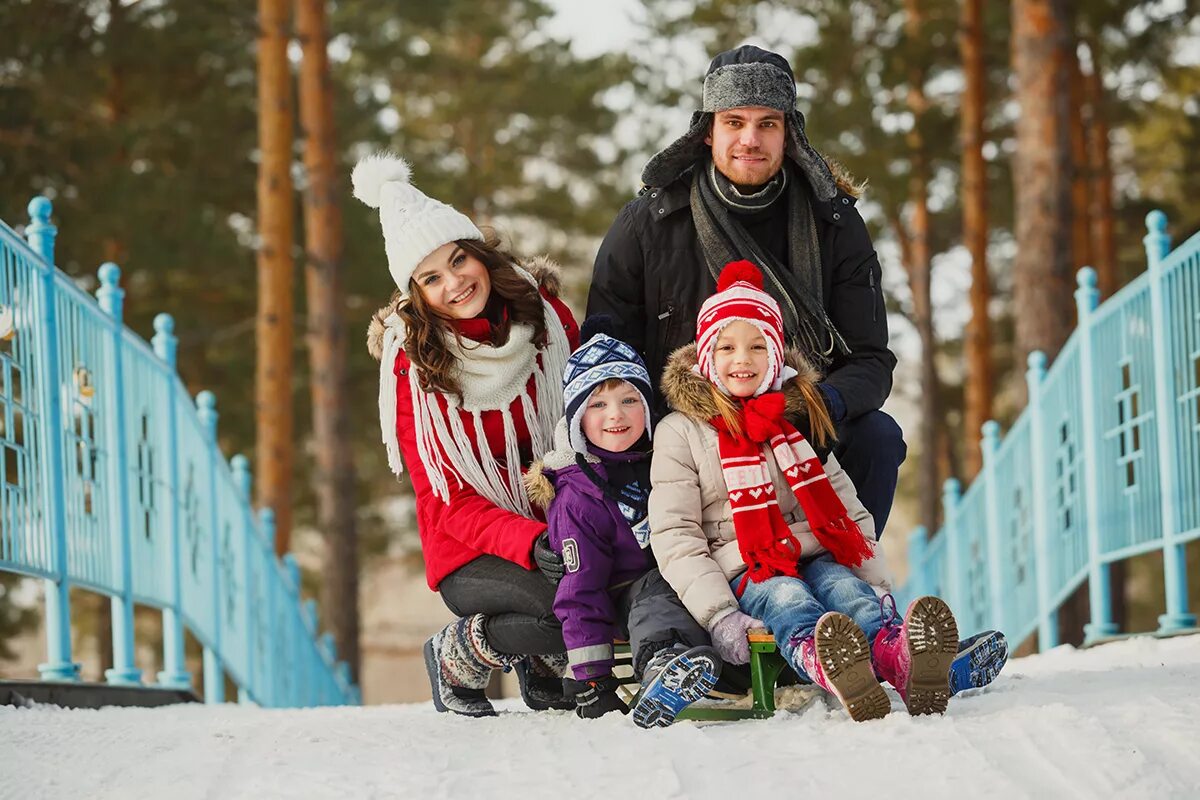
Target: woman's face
x=740 y=358
x=453 y=283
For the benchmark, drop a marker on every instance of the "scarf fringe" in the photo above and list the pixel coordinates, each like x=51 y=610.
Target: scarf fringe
x=443 y=445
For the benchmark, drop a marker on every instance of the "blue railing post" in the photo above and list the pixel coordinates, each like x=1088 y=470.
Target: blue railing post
x=1177 y=616
x=112 y=301
x=269 y=690
x=956 y=569
x=240 y=467
x=59 y=666
x=1039 y=460
x=1099 y=588
x=311 y=659
x=991 y=443
x=214 y=676
x=174 y=673
x=918 y=571
x=291 y=666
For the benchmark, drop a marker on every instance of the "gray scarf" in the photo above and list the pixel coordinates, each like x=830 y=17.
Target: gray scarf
x=796 y=286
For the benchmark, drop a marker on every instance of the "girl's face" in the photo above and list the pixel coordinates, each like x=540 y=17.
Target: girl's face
x=615 y=418
x=453 y=283
x=740 y=358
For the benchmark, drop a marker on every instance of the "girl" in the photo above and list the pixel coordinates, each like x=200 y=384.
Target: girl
x=749 y=524
x=471 y=352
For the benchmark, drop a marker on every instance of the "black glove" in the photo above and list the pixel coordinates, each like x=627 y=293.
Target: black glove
x=548 y=561
x=595 y=698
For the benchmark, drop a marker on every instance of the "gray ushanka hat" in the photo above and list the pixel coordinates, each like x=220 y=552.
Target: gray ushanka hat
x=747 y=76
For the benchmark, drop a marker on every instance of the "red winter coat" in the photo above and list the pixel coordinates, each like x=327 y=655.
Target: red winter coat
x=469 y=525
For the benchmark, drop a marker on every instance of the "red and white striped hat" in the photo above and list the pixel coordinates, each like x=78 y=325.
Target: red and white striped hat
x=740 y=297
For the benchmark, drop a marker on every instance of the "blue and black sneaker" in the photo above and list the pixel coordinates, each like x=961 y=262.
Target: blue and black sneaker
x=979 y=660
x=674 y=679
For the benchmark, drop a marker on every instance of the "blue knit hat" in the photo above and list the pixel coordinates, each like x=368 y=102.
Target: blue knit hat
x=600 y=358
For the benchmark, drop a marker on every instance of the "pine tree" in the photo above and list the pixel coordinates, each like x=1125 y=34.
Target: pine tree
x=274 y=328
x=334 y=476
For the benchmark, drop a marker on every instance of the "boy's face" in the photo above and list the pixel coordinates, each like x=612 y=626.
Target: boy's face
x=614 y=418
x=740 y=358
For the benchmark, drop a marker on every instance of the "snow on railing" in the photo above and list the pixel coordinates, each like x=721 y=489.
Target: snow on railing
x=1102 y=465
x=111 y=479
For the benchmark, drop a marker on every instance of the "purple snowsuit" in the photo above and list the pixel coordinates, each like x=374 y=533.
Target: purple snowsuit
x=601 y=557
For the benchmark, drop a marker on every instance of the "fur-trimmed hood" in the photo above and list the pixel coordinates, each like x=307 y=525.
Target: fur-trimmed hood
x=689 y=393
x=538 y=479
x=543 y=268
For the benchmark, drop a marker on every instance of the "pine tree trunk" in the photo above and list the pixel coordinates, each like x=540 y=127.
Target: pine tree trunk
x=919 y=275
x=1081 y=240
x=334 y=477
x=1042 y=295
x=276 y=279
x=979 y=383
x=1104 y=243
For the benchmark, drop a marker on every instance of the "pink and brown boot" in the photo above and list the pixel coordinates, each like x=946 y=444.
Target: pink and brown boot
x=836 y=658
x=915 y=655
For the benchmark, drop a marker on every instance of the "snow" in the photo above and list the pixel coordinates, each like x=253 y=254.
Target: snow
x=1118 y=720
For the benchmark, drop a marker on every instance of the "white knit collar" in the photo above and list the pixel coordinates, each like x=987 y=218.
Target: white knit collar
x=491 y=376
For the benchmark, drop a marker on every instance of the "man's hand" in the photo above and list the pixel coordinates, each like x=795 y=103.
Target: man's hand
x=548 y=561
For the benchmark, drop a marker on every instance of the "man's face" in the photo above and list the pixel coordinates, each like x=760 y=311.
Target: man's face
x=747 y=144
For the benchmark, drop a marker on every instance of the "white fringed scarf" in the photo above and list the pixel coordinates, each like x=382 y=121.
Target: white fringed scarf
x=492 y=378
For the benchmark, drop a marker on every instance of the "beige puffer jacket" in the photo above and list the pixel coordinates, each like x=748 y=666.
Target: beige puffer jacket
x=691 y=523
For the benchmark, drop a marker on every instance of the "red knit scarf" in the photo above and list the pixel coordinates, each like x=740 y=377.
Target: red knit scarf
x=767 y=545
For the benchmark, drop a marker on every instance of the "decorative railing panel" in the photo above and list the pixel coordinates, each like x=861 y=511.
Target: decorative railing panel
x=1102 y=465
x=111 y=479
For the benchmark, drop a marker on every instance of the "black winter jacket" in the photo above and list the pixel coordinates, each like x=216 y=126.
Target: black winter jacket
x=651 y=278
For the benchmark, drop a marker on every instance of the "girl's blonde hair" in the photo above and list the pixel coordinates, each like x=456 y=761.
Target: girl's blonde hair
x=820 y=424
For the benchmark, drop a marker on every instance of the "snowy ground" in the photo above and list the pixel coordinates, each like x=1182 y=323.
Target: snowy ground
x=1121 y=720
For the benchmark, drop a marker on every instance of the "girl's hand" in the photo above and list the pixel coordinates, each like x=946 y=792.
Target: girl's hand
x=729 y=637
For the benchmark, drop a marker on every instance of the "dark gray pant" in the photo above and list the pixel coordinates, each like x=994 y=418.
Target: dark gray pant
x=655 y=618
x=519 y=605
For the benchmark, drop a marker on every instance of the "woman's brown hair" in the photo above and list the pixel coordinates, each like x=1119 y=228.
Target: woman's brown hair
x=513 y=299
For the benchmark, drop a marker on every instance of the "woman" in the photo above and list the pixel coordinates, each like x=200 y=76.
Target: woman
x=472 y=351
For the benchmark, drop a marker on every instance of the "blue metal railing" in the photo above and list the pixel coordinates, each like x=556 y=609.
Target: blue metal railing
x=1103 y=465
x=111 y=479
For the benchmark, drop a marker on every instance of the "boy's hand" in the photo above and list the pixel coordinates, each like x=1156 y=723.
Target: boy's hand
x=548 y=561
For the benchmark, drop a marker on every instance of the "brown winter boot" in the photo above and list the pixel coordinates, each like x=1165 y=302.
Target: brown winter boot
x=837 y=659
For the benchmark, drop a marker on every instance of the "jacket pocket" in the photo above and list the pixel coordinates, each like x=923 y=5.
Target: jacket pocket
x=666 y=322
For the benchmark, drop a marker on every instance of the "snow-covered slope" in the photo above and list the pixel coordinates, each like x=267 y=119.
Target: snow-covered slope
x=1121 y=720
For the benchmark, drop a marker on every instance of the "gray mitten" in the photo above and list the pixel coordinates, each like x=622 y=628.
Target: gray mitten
x=729 y=637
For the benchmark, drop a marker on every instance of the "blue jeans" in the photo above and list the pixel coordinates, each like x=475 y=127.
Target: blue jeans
x=790 y=607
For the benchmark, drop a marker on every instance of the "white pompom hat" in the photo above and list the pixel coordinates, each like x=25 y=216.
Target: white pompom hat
x=414 y=225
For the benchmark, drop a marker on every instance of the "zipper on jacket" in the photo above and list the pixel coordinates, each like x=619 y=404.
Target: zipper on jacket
x=874 y=298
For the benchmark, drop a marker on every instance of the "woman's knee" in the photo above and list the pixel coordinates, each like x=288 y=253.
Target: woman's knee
x=876 y=432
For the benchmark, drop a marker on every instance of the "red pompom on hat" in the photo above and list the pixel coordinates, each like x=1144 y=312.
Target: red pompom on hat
x=739 y=272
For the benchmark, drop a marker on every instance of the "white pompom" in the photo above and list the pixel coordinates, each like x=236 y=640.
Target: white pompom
x=372 y=172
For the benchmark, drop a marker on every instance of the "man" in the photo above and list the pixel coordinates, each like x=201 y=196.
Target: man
x=744 y=182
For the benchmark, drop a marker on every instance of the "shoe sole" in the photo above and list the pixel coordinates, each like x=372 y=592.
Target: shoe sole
x=932 y=638
x=846 y=661
x=684 y=680
x=980 y=664
x=435 y=682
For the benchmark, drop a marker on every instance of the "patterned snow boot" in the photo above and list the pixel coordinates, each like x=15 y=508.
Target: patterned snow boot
x=914 y=656
x=541 y=682
x=674 y=678
x=979 y=661
x=460 y=660
x=836 y=658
